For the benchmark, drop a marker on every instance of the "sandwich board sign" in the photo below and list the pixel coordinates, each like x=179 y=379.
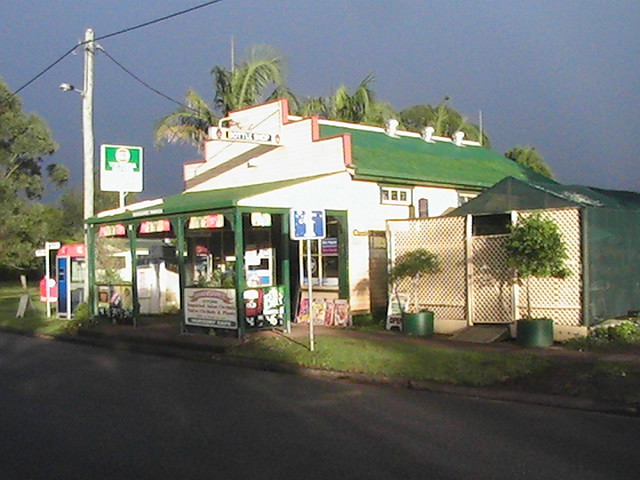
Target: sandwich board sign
x=120 y=168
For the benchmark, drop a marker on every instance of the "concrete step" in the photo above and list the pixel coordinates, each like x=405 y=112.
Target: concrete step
x=482 y=334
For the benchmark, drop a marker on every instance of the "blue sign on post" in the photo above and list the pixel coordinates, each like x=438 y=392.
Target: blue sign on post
x=307 y=224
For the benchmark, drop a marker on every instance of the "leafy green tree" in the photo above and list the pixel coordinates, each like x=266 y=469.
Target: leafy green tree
x=530 y=157
x=245 y=85
x=25 y=140
x=535 y=248
x=443 y=118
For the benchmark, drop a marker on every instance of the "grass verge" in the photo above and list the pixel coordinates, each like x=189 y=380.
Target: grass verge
x=396 y=360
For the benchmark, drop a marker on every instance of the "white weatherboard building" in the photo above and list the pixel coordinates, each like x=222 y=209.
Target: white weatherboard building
x=227 y=238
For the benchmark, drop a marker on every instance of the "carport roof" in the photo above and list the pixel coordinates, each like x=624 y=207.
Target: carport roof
x=514 y=194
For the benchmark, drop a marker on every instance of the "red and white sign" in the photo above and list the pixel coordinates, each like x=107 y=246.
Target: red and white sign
x=155 y=226
x=53 y=290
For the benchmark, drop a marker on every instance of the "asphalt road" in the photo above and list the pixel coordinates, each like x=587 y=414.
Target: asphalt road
x=76 y=412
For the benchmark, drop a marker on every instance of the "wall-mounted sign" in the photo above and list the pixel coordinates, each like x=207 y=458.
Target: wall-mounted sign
x=155 y=226
x=237 y=135
x=215 y=220
x=329 y=246
x=118 y=230
x=120 y=168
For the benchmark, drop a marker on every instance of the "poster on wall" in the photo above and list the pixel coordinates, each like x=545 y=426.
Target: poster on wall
x=211 y=307
x=328 y=312
x=264 y=307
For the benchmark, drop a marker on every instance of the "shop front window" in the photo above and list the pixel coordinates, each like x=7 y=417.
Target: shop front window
x=259 y=255
x=210 y=252
x=158 y=280
x=324 y=257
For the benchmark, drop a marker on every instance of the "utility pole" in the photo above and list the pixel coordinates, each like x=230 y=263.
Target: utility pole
x=87 y=123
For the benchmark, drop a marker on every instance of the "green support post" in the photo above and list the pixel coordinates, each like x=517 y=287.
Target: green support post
x=132 y=228
x=238 y=233
x=181 y=249
x=286 y=270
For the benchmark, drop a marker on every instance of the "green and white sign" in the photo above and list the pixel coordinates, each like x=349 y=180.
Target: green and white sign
x=120 y=168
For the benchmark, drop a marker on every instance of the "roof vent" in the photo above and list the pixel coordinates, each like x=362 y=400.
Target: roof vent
x=427 y=133
x=458 y=137
x=392 y=127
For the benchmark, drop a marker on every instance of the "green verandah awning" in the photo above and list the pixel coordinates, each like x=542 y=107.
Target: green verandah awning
x=193 y=202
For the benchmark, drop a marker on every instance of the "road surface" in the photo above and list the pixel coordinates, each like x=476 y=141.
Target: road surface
x=70 y=411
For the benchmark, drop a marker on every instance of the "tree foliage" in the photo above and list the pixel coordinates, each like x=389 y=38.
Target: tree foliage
x=529 y=157
x=443 y=118
x=411 y=266
x=535 y=248
x=25 y=140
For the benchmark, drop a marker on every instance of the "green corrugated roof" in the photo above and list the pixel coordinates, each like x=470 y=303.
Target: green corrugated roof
x=411 y=160
x=199 y=201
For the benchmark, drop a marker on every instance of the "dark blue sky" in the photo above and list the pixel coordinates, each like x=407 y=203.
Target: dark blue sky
x=563 y=76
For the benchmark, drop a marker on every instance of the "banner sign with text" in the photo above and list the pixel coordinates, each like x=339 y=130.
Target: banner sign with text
x=211 y=307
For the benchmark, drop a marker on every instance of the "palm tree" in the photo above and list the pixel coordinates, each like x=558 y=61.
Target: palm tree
x=188 y=125
x=245 y=84
x=234 y=89
x=353 y=108
x=359 y=107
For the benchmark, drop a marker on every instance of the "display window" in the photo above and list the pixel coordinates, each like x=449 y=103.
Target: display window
x=259 y=254
x=210 y=252
x=325 y=258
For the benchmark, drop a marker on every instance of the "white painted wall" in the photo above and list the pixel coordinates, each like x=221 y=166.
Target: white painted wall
x=361 y=200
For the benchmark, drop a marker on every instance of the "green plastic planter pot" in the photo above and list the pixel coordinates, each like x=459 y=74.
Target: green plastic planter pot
x=534 y=332
x=419 y=324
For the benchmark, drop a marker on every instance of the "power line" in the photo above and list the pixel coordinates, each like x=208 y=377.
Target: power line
x=109 y=35
x=158 y=92
x=158 y=20
x=69 y=52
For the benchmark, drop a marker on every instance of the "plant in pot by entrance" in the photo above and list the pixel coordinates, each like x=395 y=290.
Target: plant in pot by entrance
x=535 y=248
x=412 y=266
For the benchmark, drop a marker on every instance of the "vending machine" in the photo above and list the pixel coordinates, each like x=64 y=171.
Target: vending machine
x=71 y=272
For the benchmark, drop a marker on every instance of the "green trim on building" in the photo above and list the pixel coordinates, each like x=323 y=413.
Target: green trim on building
x=194 y=202
x=377 y=156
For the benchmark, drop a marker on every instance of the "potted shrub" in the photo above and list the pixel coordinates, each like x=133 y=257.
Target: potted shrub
x=412 y=266
x=535 y=249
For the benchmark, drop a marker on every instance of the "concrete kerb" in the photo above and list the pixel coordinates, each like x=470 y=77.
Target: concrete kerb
x=188 y=350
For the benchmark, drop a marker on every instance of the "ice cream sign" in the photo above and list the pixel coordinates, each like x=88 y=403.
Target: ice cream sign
x=120 y=168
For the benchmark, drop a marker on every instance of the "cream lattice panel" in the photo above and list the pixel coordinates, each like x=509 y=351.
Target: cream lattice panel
x=491 y=281
x=444 y=292
x=555 y=298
